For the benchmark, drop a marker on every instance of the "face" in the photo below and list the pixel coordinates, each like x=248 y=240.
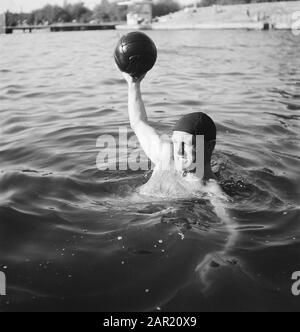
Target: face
x=183 y=150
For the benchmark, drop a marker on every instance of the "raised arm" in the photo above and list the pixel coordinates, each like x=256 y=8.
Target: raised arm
x=147 y=135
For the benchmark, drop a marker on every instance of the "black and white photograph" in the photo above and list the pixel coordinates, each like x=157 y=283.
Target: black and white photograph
x=149 y=158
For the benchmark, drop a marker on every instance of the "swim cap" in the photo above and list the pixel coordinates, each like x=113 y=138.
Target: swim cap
x=197 y=124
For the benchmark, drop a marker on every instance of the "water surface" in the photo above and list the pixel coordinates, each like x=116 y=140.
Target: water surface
x=77 y=238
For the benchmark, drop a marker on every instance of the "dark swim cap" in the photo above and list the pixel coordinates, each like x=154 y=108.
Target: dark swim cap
x=197 y=124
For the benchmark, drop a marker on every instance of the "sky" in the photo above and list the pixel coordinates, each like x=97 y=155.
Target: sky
x=29 y=5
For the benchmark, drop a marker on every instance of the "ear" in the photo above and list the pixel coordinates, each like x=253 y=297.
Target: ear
x=209 y=149
x=211 y=145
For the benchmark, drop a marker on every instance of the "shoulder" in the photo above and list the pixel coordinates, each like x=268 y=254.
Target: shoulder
x=212 y=186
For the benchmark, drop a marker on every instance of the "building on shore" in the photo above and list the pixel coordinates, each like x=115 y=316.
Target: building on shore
x=139 y=14
x=2 y=23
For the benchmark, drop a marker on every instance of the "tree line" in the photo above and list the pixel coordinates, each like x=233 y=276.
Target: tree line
x=105 y=11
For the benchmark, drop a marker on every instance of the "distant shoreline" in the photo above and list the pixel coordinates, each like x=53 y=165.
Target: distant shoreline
x=255 y=16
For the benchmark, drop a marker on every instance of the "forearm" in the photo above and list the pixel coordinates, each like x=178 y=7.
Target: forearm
x=146 y=134
x=136 y=107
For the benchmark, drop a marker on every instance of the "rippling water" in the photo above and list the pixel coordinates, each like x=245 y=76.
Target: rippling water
x=76 y=238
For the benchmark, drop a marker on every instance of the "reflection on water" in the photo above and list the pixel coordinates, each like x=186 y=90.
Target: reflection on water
x=76 y=238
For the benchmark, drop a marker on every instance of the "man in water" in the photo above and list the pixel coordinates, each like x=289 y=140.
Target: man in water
x=175 y=174
x=183 y=165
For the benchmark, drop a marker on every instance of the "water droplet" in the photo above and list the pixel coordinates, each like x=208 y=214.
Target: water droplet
x=181 y=235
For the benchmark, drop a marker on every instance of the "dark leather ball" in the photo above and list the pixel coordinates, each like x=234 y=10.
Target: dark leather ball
x=135 y=54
